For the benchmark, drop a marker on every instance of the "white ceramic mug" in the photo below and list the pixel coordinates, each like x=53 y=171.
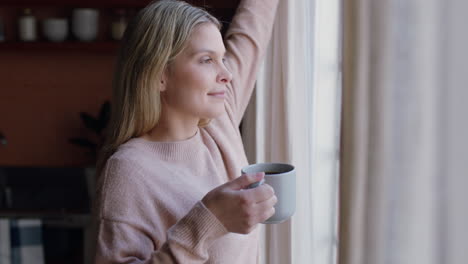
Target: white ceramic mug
x=282 y=177
x=85 y=23
x=55 y=29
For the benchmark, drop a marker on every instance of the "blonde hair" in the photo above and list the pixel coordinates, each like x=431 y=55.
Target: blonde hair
x=157 y=34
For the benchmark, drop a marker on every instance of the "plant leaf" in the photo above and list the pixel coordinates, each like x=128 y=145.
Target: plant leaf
x=83 y=142
x=90 y=122
x=104 y=116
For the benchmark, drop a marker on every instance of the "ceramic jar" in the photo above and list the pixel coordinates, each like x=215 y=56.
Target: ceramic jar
x=85 y=23
x=55 y=29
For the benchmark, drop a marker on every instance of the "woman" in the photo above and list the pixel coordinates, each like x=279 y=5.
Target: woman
x=170 y=190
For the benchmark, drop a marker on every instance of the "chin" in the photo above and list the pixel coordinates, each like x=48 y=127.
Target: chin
x=215 y=113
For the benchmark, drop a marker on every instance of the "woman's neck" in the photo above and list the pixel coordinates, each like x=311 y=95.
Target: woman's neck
x=173 y=129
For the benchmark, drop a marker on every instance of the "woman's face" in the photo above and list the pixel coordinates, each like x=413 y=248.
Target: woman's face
x=195 y=81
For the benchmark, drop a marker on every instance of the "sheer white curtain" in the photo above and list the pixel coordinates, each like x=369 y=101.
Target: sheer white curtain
x=405 y=162
x=294 y=118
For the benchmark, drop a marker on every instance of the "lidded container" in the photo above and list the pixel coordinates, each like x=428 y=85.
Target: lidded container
x=27 y=26
x=119 y=24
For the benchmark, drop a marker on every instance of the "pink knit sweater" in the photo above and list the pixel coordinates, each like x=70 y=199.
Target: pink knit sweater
x=149 y=208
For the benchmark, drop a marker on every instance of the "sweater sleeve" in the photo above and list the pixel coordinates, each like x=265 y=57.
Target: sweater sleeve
x=133 y=226
x=187 y=241
x=246 y=42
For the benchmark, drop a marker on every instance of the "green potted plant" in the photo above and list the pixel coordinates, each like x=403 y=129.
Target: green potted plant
x=97 y=125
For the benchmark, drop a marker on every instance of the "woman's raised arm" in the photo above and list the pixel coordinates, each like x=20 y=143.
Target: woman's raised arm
x=246 y=42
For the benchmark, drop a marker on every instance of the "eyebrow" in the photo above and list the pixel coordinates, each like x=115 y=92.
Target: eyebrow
x=207 y=51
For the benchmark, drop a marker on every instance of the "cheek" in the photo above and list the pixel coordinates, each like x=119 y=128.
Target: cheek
x=199 y=75
x=196 y=80
x=188 y=89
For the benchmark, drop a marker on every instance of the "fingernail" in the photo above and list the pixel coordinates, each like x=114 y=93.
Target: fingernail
x=253 y=185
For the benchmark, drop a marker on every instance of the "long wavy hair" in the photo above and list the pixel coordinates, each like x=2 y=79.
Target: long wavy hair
x=156 y=35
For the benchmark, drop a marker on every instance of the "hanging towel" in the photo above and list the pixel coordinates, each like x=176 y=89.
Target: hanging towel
x=5 y=245
x=26 y=241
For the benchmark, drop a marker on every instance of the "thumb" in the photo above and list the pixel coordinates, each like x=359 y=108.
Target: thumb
x=245 y=180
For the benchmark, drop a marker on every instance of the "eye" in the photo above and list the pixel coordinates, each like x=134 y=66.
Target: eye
x=207 y=60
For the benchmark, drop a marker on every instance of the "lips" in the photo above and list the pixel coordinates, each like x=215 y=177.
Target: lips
x=219 y=94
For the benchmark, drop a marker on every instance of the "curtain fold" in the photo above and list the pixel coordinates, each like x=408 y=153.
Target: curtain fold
x=404 y=132
x=294 y=118
x=272 y=131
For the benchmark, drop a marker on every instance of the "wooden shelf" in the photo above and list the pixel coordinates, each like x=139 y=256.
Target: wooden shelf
x=109 y=3
x=105 y=46
x=75 y=3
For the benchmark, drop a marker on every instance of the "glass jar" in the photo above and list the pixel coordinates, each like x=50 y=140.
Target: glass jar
x=27 y=26
x=119 y=24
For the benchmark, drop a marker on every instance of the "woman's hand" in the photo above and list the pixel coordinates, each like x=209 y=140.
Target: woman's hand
x=240 y=209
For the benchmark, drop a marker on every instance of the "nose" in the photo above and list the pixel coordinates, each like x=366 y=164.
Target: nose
x=224 y=76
